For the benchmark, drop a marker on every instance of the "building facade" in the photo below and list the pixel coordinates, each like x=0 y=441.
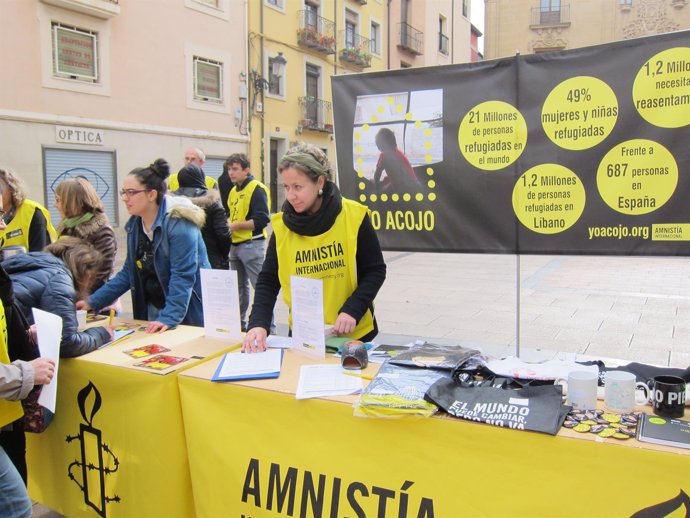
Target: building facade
x=429 y=32
x=95 y=88
x=310 y=41
x=531 y=26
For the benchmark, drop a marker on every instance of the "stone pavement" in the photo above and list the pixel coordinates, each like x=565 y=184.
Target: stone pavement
x=629 y=308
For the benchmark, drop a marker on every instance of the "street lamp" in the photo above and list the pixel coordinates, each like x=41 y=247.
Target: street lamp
x=278 y=65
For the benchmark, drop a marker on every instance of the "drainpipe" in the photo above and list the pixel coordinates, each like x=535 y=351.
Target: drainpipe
x=452 y=32
x=388 y=39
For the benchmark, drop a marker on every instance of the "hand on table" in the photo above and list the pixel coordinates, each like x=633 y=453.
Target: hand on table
x=156 y=327
x=344 y=324
x=44 y=370
x=255 y=340
x=82 y=304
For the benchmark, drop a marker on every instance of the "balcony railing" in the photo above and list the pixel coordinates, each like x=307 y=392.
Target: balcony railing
x=317 y=114
x=546 y=16
x=316 y=32
x=411 y=39
x=356 y=49
x=442 y=43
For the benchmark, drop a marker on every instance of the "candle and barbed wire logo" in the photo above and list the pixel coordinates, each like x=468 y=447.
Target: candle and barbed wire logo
x=97 y=460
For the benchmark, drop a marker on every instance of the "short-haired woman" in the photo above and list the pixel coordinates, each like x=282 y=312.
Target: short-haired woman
x=28 y=222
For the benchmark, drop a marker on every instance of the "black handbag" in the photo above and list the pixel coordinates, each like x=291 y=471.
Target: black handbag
x=535 y=408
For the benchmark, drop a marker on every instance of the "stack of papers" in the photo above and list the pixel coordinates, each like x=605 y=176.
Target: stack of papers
x=241 y=366
x=326 y=380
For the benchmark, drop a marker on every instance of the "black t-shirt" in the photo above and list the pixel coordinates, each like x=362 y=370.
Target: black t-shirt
x=152 y=287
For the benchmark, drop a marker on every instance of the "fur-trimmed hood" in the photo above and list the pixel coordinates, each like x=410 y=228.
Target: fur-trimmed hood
x=203 y=198
x=86 y=229
x=182 y=207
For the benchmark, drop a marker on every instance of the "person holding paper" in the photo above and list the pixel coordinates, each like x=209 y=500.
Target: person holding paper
x=16 y=381
x=321 y=235
x=165 y=252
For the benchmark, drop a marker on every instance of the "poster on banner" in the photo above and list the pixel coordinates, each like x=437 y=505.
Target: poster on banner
x=308 y=336
x=572 y=152
x=221 y=304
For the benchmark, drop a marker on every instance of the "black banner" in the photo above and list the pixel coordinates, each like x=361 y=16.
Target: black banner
x=575 y=152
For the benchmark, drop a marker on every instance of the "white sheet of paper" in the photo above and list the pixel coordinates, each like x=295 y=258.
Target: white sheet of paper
x=221 y=303
x=49 y=334
x=308 y=337
x=278 y=342
x=326 y=380
x=241 y=364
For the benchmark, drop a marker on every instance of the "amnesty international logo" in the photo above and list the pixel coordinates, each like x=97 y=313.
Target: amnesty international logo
x=97 y=460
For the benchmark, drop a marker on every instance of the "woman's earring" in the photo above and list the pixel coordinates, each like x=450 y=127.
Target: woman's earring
x=320 y=192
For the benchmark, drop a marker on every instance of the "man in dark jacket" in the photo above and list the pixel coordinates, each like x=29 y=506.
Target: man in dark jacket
x=42 y=280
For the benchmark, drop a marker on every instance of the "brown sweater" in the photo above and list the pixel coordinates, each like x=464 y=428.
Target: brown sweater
x=101 y=236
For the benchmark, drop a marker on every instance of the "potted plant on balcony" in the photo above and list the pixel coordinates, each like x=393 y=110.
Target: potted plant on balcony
x=356 y=56
x=308 y=36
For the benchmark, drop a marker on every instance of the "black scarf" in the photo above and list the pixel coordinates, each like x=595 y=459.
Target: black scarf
x=315 y=224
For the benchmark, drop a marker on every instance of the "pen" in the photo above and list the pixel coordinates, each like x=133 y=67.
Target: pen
x=358 y=375
x=110 y=320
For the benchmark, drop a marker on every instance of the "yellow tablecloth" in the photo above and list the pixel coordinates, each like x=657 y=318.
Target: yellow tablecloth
x=267 y=454
x=116 y=447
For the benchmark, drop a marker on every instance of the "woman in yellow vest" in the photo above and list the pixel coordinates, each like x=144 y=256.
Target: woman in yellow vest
x=319 y=235
x=28 y=222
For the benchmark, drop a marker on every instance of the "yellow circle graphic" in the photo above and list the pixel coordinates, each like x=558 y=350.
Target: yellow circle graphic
x=548 y=198
x=492 y=135
x=579 y=113
x=637 y=176
x=661 y=91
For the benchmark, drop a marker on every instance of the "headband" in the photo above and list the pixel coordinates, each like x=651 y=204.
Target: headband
x=306 y=160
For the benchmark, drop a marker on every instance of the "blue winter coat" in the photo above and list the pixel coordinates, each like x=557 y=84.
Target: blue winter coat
x=43 y=281
x=178 y=253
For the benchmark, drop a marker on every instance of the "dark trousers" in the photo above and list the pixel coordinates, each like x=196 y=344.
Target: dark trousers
x=14 y=443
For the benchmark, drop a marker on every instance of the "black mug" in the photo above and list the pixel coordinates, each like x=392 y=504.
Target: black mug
x=667 y=395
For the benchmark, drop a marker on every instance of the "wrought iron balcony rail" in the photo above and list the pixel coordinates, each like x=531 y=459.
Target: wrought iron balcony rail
x=442 y=43
x=316 y=114
x=411 y=39
x=356 y=48
x=316 y=32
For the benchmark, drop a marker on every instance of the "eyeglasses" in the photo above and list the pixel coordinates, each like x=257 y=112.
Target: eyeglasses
x=128 y=193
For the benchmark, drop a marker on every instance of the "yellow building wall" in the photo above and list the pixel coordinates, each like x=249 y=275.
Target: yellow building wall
x=274 y=29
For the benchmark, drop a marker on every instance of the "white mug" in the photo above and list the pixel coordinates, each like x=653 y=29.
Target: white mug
x=81 y=319
x=621 y=392
x=580 y=389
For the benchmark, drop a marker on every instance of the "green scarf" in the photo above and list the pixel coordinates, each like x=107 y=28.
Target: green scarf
x=306 y=160
x=75 y=221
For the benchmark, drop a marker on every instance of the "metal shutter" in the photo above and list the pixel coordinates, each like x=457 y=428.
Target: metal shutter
x=98 y=167
x=213 y=167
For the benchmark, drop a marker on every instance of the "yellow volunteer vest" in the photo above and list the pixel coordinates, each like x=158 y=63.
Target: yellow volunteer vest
x=10 y=411
x=238 y=203
x=331 y=256
x=174 y=184
x=17 y=232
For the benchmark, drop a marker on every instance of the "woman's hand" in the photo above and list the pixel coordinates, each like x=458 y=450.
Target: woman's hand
x=255 y=340
x=44 y=370
x=344 y=324
x=156 y=327
x=82 y=304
